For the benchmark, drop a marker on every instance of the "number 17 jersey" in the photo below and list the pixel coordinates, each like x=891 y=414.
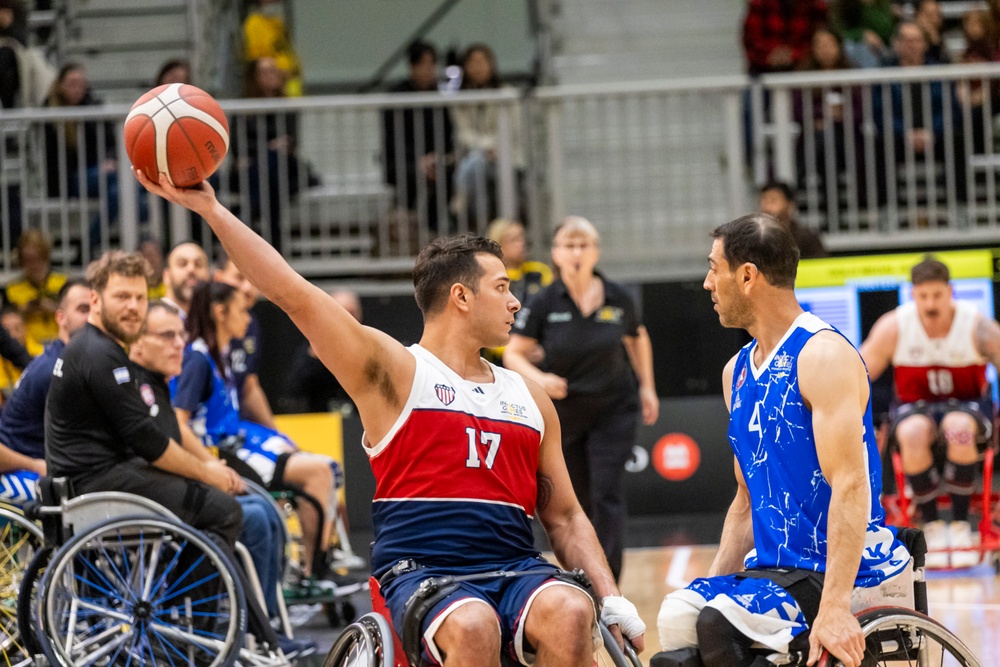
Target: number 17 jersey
x=455 y=476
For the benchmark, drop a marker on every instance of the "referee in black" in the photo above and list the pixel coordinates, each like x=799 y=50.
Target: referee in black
x=99 y=432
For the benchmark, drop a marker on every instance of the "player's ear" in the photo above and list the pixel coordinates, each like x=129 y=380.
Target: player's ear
x=459 y=294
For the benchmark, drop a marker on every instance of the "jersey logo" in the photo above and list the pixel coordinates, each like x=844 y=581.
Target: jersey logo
x=742 y=378
x=57 y=371
x=610 y=314
x=444 y=393
x=121 y=375
x=479 y=390
x=147 y=394
x=783 y=362
x=513 y=410
x=559 y=317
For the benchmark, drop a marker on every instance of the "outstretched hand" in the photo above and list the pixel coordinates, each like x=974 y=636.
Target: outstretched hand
x=199 y=198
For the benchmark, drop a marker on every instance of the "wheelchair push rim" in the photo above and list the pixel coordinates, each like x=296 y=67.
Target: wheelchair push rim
x=20 y=540
x=141 y=590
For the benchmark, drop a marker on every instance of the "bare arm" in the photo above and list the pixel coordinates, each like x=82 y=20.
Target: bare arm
x=878 y=348
x=189 y=441
x=374 y=369
x=515 y=357
x=255 y=404
x=988 y=339
x=640 y=353
x=833 y=383
x=11 y=460
x=179 y=461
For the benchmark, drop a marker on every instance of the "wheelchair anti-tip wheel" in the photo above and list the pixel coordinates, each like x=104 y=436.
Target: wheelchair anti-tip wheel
x=896 y=636
x=141 y=590
x=20 y=540
x=365 y=643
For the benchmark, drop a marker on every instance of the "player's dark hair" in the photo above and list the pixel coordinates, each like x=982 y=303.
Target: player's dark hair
x=782 y=187
x=158 y=304
x=67 y=286
x=417 y=49
x=764 y=242
x=125 y=264
x=446 y=261
x=199 y=322
x=930 y=270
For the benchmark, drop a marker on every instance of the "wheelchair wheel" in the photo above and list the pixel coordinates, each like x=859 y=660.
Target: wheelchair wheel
x=27 y=607
x=612 y=655
x=20 y=540
x=141 y=590
x=896 y=636
x=364 y=643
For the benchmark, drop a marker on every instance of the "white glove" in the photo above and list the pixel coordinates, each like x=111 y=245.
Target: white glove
x=616 y=610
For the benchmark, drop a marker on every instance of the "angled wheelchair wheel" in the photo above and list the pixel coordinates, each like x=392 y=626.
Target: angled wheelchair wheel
x=896 y=636
x=20 y=540
x=141 y=590
x=365 y=643
x=27 y=601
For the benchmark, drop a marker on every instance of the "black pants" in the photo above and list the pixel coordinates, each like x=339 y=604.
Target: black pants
x=200 y=506
x=598 y=433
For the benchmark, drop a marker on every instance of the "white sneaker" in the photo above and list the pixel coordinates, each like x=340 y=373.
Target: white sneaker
x=960 y=537
x=936 y=534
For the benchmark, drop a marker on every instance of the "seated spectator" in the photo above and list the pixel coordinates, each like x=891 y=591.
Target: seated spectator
x=152 y=252
x=265 y=35
x=478 y=127
x=13 y=322
x=777 y=34
x=820 y=113
x=187 y=266
x=205 y=401
x=100 y=433
x=778 y=200
x=419 y=150
x=34 y=292
x=265 y=149
x=975 y=94
x=930 y=19
x=176 y=70
x=22 y=422
x=311 y=386
x=866 y=27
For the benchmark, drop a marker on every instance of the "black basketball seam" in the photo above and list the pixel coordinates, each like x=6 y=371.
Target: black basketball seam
x=166 y=107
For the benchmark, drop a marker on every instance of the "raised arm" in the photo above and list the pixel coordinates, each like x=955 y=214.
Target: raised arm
x=834 y=384
x=878 y=348
x=373 y=368
x=988 y=339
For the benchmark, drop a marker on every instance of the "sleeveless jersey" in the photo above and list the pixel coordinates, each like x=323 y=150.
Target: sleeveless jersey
x=936 y=369
x=455 y=476
x=218 y=414
x=771 y=434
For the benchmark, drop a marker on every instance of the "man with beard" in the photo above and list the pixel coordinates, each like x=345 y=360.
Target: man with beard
x=939 y=348
x=99 y=432
x=804 y=542
x=187 y=265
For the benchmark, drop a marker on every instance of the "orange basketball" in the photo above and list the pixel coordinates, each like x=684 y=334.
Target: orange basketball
x=179 y=130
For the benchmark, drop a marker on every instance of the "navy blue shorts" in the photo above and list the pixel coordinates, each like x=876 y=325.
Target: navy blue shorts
x=508 y=597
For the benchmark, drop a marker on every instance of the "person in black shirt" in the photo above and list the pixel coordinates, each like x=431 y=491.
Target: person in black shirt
x=595 y=348
x=101 y=431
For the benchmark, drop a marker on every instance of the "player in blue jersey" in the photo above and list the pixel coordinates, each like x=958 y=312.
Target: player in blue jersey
x=804 y=542
x=462 y=289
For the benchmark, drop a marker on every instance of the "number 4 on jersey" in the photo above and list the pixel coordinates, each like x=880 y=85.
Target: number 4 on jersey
x=754 y=424
x=490 y=440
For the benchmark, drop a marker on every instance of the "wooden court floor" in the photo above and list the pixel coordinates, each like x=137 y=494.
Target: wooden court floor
x=966 y=602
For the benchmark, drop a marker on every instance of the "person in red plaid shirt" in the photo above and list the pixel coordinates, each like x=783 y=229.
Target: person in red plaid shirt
x=777 y=34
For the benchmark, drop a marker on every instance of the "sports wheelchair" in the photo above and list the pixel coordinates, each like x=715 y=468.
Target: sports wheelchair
x=20 y=540
x=120 y=580
x=371 y=641
x=893 y=635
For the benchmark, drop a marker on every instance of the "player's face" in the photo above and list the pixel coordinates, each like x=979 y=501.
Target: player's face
x=731 y=304
x=575 y=253
x=495 y=305
x=933 y=299
x=161 y=346
x=232 y=318
x=122 y=306
x=186 y=267
x=74 y=309
x=233 y=276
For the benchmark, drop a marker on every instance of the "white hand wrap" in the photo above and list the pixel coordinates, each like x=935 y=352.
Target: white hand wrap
x=616 y=610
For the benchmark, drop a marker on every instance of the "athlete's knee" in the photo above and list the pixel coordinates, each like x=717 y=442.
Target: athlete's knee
x=561 y=614
x=720 y=642
x=915 y=432
x=959 y=429
x=471 y=625
x=676 y=624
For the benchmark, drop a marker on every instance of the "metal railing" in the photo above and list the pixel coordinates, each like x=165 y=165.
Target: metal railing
x=362 y=182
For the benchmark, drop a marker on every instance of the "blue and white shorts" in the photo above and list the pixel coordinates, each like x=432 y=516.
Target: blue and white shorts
x=18 y=486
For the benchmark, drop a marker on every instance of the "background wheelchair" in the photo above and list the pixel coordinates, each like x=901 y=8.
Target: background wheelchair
x=20 y=540
x=371 y=641
x=121 y=581
x=893 y=635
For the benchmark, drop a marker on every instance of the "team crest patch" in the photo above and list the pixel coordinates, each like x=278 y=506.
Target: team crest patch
x=742 y=378
x=783 y=362
x=444 y=393
x=147 y=395
x=121 y=375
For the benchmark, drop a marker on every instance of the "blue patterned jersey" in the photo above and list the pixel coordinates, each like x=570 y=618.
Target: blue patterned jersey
x=771 y=433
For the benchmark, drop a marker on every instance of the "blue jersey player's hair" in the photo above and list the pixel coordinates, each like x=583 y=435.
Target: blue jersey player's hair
x=761 y=240
x=200 y=322
x=446 y=261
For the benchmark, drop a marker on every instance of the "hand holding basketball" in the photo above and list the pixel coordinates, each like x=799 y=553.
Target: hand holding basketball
x=179 y=130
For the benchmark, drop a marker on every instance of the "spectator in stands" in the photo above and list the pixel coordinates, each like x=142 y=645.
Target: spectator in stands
x=866 y=27
x=34 y=292
x=777 y=34
x=187 y=265
x=265 y=147
x=930 y=19
x=419 y=149
x=22 y=422
x=311 y=386
x=243 y=353
x=974 y=94
x=266 y=35
x=175 y=70
x=13 y=322
x=152 y=252
x=478 y=128
x=980 y=36
x=778 y=200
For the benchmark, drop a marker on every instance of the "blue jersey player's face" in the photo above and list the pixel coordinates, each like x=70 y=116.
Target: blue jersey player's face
x=731 y=304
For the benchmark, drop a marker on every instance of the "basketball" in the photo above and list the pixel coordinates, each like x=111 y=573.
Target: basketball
x=179 y=130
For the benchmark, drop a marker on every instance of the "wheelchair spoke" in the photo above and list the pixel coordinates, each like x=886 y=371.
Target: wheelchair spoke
x=103 y=650
x=154 y=562
x=104 y=611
